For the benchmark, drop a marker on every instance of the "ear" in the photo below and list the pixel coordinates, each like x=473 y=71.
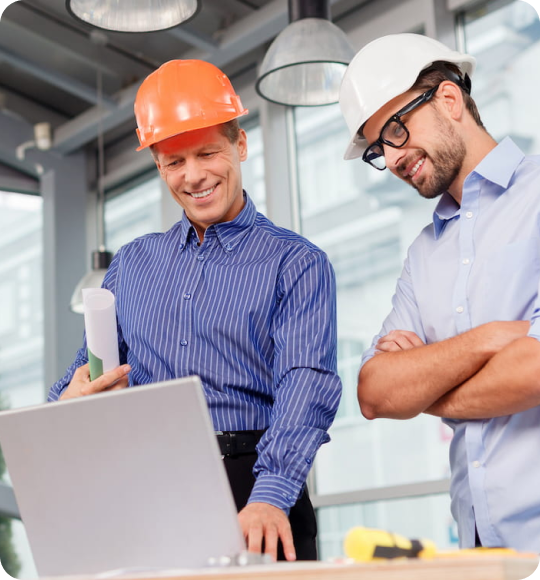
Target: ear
x=159 y=166
x=241 y=145
x=451 y=100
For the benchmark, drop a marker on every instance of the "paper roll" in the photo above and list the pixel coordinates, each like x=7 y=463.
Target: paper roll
x=101 y=334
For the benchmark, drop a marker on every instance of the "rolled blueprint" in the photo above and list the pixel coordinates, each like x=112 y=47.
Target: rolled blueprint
x=101 y=335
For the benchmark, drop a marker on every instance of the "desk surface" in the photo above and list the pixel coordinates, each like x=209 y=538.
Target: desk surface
x=465 y=568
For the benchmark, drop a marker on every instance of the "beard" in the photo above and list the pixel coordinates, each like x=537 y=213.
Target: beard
x=446 y=159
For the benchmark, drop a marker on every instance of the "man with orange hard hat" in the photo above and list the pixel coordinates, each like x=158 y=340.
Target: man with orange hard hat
x=462 y=341
x=227 y=295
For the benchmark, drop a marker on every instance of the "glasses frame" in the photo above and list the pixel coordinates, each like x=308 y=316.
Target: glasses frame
x=396 y=118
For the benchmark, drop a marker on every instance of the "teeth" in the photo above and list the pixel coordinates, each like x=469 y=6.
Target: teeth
x=204 y=193
x=416 y=167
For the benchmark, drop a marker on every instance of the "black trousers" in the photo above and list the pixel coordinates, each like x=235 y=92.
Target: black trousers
x=302 y=516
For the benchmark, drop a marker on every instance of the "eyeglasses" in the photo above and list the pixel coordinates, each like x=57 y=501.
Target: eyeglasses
x=394 y=132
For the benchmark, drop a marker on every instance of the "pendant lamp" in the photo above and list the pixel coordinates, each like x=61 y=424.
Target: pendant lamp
x=101 y=258
x=306 y=62
x=133 y=15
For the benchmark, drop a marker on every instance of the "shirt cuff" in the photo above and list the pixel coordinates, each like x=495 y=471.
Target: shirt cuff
x=275 y=490
x=534 y=330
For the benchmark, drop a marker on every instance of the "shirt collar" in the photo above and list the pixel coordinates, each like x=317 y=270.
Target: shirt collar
x=498 y=166
x=230 y=233
x=447 y=209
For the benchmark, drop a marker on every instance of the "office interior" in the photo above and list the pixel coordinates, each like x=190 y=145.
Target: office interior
x=382 y=474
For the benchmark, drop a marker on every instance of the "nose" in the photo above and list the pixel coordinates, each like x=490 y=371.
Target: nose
x=194 y=173
x=393 y=157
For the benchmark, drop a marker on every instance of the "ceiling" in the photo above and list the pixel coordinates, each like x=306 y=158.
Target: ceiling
x=50 y=62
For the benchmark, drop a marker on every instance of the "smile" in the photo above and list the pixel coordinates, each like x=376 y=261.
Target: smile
x=201 y=194
x=416 y=167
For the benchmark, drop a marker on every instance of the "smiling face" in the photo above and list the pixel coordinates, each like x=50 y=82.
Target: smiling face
x=432 y=158
x=202 y=171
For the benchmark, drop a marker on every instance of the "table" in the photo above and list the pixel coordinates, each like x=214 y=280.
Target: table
x=453 y=568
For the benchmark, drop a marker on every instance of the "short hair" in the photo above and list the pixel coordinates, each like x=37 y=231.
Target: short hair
x=230 y=129
x=434 y=75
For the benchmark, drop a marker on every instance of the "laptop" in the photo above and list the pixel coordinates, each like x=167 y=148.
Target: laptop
x=127 y=480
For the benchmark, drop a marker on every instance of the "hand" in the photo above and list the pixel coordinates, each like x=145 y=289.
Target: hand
x=262 y=521
x=397 y=340
x=499 y=334
x=81 y=385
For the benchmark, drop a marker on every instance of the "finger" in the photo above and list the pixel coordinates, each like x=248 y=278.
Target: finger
x=82 y=373
x=413 y=338
x=403 y=342
x=107 y=379
x=119 y=385
x=271 y=541
x=285 y=535
x=254 y=538
x=388 y=346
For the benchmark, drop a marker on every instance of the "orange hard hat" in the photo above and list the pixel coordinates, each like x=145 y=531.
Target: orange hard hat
x=183 y=95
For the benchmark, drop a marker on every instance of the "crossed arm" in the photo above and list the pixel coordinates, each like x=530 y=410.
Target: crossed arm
x=489 y=371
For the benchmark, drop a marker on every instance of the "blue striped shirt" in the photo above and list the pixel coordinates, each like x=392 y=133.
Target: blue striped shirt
x=252 y=312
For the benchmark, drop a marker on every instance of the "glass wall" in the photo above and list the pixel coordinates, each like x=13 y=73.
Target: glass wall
x=21 y=299
x=505 y=39
x=133 y=213
x=21 y=333
x=253 y=166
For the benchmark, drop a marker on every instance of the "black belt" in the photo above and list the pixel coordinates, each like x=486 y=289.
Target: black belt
x=238 y=442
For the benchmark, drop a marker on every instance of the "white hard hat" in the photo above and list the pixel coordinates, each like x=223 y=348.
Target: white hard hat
x=384 y=69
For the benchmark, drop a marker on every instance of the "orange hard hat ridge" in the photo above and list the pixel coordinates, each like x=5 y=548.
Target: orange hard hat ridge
x=184 y=95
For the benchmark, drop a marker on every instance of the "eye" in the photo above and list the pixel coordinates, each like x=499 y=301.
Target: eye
x=396 y=130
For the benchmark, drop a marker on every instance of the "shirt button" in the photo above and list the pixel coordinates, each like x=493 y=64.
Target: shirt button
x=183 y=342
x=466 y=261
x=476 y=464
x=187 y=296
x=228 y=247
x=459 y=309
x=469 y=214
x=200 y=258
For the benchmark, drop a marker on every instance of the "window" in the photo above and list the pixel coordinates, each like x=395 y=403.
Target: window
x=505 y=39
x=21 y=326
x=253 y=166
x=133 y=213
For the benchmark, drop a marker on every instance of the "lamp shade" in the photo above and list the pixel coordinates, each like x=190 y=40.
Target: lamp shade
x=305 y=64
x=101 y=260
x=133 y=15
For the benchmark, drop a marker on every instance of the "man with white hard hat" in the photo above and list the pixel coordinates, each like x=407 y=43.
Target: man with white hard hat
x=462 y=339
x=227 y=295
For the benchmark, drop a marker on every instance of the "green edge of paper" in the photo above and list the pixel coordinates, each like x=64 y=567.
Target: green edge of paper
x=96 y=365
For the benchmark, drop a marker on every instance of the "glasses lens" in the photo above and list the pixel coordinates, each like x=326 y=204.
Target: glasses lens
x=395 y=133
x=374 y=155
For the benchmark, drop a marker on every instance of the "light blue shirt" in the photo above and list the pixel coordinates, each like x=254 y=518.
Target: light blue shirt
x=252 y=311
x=475 y=264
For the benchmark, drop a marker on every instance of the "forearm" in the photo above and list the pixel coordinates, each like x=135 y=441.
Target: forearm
x=509 y=383
x=305 y=405
x=400 y=385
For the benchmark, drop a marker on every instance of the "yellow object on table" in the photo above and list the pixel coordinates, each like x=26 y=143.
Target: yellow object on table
x=365 y=545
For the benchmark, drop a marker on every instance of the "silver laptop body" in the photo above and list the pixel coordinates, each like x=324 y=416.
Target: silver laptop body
x=129 y=479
